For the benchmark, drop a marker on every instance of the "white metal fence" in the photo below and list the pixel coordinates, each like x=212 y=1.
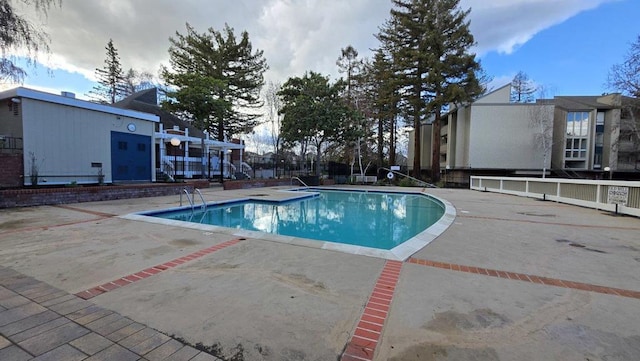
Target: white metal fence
x=615 y=196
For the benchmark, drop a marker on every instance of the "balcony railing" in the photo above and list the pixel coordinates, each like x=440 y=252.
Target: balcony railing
x=12 y=143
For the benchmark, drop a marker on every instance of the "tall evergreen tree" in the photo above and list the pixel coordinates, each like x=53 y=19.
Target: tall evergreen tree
x=18 y=32
x=217 y=78
x=430 y=41
x=522 y=88
x=385 y=95
x=111 y=82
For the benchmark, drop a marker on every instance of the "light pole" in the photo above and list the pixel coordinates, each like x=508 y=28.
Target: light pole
x=283 y=168
x=608 y=170
x=229 y=152
x=175 y=142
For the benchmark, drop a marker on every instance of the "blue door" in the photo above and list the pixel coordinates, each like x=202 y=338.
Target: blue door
x=130 y=157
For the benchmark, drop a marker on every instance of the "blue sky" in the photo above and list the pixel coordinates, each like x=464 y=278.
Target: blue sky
x=566 y=45
x=574 y=57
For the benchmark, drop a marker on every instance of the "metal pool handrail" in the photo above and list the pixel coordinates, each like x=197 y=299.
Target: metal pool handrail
x=191 y=198
x=185 y=191
x=299 y=180
x=204 y=204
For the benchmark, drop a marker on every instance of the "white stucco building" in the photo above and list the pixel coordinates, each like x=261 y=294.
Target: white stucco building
x=565 y=136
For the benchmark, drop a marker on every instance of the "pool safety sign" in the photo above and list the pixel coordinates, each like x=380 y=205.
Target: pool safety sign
x=618 y=195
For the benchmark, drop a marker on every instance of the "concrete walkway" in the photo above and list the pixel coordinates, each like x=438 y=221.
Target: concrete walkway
x=511 y=279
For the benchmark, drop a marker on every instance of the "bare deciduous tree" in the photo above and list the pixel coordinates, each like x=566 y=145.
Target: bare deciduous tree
x=274 y=106
x=541 y=121
x=625 y=78
x=522 y=88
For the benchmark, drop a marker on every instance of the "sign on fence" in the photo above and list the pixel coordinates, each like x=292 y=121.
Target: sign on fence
x=618 y=195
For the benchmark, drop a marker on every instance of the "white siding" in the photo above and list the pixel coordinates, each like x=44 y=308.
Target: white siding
x=66 y=140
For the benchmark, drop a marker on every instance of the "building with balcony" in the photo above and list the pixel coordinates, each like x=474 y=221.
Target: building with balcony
x=195 y=154
x=567 y=136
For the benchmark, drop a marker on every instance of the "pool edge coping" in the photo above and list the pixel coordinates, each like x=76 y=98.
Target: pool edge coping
x=401 y=252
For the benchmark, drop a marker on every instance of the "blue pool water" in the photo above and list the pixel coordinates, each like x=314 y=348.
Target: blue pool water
x=370 y=219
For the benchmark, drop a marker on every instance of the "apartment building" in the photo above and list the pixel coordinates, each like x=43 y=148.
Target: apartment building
x=567 y=136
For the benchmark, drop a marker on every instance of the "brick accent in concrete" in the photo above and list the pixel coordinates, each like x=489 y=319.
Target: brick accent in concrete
x=148 y=272
x=528 y=278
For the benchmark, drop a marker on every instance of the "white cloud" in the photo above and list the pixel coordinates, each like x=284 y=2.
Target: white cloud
x=503 y=25
x=296 y=35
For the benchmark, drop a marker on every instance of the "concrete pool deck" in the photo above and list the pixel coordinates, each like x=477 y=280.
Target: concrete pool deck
x=511 y=279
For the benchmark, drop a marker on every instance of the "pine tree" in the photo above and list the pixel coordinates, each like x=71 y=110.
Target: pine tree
x=429 y=41
x=384 y=92
x=522 y=88
x=218 y=79
x=111 y=82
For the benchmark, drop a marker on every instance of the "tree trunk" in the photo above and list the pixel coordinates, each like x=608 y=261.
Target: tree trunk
x=417 y=138
x=392 y=141
x=359 y=150
x=318 y=163
x=380 y=141
x=318 y=152
x=435 y=152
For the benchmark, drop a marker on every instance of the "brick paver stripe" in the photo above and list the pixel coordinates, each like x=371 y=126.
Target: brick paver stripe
x=367 y=334
x=528 y=278
x=148 y=272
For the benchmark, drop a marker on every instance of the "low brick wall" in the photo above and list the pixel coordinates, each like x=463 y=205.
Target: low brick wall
x=10 y=170
x=258 y=183
x=47 y=196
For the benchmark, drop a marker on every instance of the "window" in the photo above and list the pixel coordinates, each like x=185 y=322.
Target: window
x=600 y=118
x=576 y=148
x=599 y=139
x=141 y=147
x=597 y=161
x=122 y=145
x=577 y=133
x=577 y=124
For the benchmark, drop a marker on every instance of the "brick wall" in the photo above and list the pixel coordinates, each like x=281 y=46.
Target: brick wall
x=45 y=196
x=11 y=167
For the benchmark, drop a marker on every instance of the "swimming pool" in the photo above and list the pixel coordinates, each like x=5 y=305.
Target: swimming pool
x=369 y=219
x=390 y=225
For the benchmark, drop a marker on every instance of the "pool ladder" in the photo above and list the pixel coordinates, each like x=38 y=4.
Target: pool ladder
x=191 y=198
x=299 y=180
